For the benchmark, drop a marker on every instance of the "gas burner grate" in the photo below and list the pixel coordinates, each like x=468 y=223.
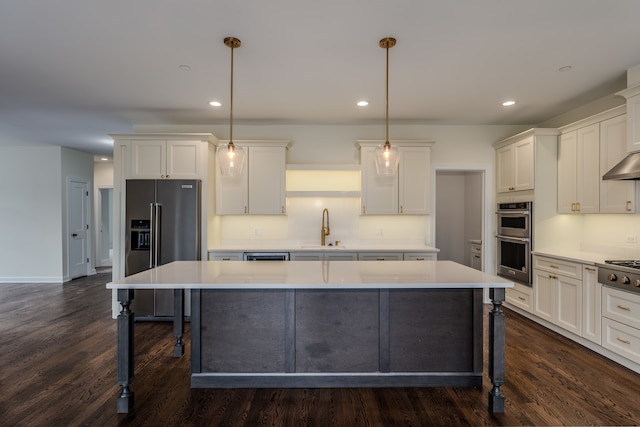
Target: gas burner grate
x=625 y=263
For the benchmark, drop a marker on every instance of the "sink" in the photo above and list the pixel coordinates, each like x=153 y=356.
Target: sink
x=320 y=247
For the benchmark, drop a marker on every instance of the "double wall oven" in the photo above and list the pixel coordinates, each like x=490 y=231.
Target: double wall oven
x=514 y=240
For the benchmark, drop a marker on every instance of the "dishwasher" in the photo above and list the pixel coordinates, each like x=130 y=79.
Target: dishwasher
x=266 y=256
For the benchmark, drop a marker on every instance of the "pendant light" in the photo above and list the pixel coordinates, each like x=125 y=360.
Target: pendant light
x=230 y=156
x=387 y=156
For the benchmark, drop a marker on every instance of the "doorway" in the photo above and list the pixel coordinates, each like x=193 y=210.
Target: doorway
x=460 y=215
x=104 y=244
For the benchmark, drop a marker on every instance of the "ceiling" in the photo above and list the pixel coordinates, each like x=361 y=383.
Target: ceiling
x=71 y=72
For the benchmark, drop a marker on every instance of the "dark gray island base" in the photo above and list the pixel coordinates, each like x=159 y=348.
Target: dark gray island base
x=353 y=336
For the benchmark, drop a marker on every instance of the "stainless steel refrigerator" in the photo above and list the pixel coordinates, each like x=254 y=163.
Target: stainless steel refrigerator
x=163 y=225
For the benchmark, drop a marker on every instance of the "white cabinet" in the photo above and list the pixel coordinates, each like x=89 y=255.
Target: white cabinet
x=579 y=170
x=226 y=256
x=420 y=256
x=520 y=296
x=557 y=292
x=166 y=159
x=591 y=304
x=615 y=196
x=330 y=255
x=515 y=166
x=621 y=323
x=475 y=256
x=405 y=193
x=261 y=188
x=380 y=256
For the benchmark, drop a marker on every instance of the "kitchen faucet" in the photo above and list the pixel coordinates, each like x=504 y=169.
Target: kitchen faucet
x=325 y=231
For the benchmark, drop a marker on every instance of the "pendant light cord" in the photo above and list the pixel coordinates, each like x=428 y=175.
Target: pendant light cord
x=231 y=103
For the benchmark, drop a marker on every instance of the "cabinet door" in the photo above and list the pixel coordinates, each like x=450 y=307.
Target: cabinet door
x=523 y=160
x=267 y=180
x=232 y=196
x=588 y=179
x=381 y=256
x=379 y=193
x=148 y=159
x=544 y=295
x=183 y=160
x=591 y=304
x=615 y=196
x=569 y=304
x=567 y=172
x=341 y=256
x=306 y=256
x=413 y=175
x=505 y=169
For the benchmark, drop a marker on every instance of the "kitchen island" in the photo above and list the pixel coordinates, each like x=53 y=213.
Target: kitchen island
x=328 y=324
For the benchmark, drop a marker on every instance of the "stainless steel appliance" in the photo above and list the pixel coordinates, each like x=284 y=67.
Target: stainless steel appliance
x=514 y=240
x=163 y=225
x=621 y=274
x=266 y=256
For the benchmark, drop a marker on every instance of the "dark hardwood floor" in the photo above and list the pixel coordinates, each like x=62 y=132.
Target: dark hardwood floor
x=57 y=368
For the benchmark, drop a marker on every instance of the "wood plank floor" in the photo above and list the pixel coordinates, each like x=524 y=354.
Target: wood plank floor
x=57 y=368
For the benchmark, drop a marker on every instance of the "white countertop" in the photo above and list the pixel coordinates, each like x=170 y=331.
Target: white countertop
x=583 y=257
x=311 y=275
x=290 y=247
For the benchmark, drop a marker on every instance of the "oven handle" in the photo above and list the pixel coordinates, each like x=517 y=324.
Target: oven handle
x=513 y=239
x=513 y=213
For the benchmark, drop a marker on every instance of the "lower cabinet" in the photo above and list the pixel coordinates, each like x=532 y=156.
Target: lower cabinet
x=225 y=256
x=557 y=290
x=323 y=256
x=520 y=296
x=591 y=304
x=621 y=323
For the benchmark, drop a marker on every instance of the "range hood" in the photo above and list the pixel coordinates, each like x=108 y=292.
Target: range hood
x=628 y=168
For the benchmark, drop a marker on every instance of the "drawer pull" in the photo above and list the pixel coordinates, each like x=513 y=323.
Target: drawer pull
x=522 y=299
x=553 y=266
x=590 y=268
x=380 y=259
x=551 y=276
x=226 y=259
x=419 y=259
x=623 y=340
x=622 y=307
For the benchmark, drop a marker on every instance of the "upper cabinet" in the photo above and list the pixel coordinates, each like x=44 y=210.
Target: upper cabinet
x=163 y=159
x=407 y=192
x=579 y=170
x=163 y=156
x=514 y=166
x=586 y=151
x=261 y=188
x=518 y=158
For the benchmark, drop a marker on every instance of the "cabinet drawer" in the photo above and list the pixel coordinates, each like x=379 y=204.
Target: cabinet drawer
x=621 y=339
x=225 y=256
x=520 y=296
x=419 y=256
x=621 y=306
x=556 y=266
x=380 y=256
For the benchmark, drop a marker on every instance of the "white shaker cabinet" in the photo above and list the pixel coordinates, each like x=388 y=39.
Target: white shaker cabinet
x=260 y=190
x=407 y=192
x=615 y=196
x=515 y=166
x=557 y=292
x=579 y=170
x=591 y=304
x=166 y=159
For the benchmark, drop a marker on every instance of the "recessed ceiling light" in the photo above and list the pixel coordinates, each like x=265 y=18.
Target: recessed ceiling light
x=508 y=103
x=215 y=104
x=184 y=67
x=565 y=68
x=362 y=103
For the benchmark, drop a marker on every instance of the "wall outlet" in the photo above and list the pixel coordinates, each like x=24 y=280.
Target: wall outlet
x=632 y=239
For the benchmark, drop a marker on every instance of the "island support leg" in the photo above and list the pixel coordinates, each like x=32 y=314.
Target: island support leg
x=125 y=351
x=496 y=350
x=178 y=321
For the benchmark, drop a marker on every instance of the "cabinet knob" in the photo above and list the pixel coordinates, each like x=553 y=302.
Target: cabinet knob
x=628 y=206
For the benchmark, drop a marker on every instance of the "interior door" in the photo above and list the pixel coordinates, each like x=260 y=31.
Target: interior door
x=78 y=207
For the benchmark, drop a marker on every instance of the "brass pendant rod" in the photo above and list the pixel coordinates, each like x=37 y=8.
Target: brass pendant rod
x=387 y=97
x=231 y=42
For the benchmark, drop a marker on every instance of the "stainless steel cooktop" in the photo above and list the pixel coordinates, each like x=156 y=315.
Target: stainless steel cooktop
x=620 y=274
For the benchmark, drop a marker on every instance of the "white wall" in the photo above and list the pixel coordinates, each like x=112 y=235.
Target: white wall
x=33 y=210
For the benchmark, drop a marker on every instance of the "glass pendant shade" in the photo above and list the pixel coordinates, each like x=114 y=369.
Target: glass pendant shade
x=386 y=159
x=230 y=159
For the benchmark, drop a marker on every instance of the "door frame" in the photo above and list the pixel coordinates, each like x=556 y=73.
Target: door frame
x=101 y=260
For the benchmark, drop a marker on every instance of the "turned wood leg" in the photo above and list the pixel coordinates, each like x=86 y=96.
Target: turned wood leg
x=125 y=351
x=178 y=321
x=496 y=350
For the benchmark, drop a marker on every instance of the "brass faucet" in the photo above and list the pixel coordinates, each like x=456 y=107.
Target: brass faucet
x=325 y=230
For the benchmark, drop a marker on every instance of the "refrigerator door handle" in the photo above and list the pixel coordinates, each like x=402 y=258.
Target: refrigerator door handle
x=151 y=238
x=156 y=233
